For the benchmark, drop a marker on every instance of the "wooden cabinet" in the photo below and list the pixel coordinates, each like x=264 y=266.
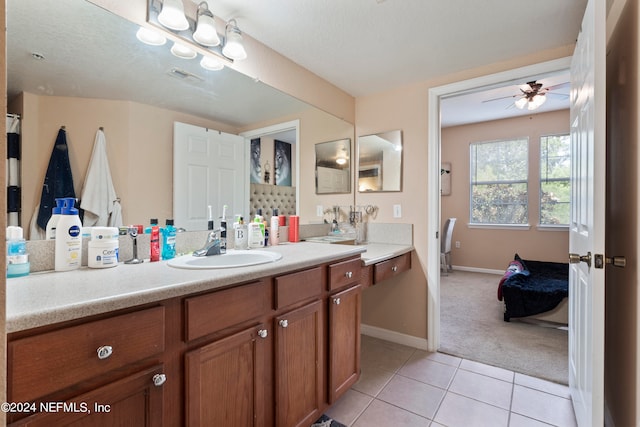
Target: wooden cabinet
x=344 y=340
x=273 y=352
x=391 y=267
x=299 y=365
x=224 y=381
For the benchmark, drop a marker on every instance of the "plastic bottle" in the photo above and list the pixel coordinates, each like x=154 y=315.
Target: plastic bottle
x=17 y=257
x=256 y=233
x=68 y=247
x=154 y=244
x=168 y=240
x=242 y=235
x=274 y=233
x=223 y=230
x=152 y=222
x=52 y=224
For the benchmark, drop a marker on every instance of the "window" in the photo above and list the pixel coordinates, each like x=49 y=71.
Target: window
x=555 y=184
x=499 y=172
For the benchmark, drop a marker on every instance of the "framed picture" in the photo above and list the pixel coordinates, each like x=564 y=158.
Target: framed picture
x=282 y=163
x=256 y=169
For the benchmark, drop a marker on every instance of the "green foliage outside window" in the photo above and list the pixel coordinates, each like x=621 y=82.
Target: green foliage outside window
x=555 y=184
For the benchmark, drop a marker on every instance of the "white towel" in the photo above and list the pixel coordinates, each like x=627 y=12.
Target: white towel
x=99 y=197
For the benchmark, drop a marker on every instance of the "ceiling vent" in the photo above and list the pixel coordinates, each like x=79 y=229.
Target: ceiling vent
x=185 y=76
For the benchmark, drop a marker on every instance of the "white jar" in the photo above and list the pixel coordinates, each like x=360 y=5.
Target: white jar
x=102 y=253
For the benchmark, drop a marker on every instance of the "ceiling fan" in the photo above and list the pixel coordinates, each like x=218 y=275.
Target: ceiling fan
x=532 y=95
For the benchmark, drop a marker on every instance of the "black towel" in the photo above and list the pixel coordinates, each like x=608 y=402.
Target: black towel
x=58 y=182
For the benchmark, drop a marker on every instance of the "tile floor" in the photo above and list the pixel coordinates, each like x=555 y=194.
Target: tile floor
x=404 y=387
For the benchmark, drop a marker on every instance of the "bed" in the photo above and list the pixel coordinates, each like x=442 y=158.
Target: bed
x=535 y=289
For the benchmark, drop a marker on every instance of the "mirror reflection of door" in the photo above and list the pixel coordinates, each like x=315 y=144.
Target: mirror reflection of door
x=333 y=167
x=380 y=162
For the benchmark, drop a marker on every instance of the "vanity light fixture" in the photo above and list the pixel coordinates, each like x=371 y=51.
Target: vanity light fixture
x=182 y=51
x=211 y=63
x=233 y=47
x=205 y=33
x=150 y=37
x=172 y=15
x=341 y=160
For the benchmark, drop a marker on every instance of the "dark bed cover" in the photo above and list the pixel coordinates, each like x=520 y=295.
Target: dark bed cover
x=542 y=289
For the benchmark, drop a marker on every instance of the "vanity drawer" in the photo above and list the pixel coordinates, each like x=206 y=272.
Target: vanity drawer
x=42 y=364
x=389 y=268
x=345 y=273
x=300 y=286
x=215 y=311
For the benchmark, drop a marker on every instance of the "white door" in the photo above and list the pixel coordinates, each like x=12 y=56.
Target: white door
x=209 y=169
x=586 y=234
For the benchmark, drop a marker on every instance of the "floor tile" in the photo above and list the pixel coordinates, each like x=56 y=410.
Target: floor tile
x=415 y=396
x=349 y=407
x=490 y=371
x=382 y=414
x=447 y=359
x=372 y=380
x=517 y=420
x=420 y=367
x=543 y=385
x=480 y=387
x=543 y=406
x=384 y=355
x=460 y=411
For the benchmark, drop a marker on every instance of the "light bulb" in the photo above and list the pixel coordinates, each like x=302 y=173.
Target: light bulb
x=172 y=15
x=182 y=51
x=211 y=63
x=205 y=33
x=233 y=47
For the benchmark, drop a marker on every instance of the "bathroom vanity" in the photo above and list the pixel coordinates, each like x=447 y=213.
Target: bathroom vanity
x=269 y=345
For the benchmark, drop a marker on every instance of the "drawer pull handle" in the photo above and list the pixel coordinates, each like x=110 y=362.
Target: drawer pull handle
x=262 y=333
x=159 y=379
x=394 y=268
x=348 y=274
x=336 y=301
x=104 y=352
x=284 y=323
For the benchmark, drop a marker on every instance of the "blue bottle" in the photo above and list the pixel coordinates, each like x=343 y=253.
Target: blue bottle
x=168 y=240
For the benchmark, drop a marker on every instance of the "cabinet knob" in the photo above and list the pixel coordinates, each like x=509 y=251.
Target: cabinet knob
x=159 y=379
x=348 y=274
x=284 y=323
x=336 y=301
x=262 y=333
x=104 y=352
x=394 y=268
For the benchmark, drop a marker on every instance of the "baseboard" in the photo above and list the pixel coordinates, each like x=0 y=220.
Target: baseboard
x=477 y=269
x=393 y=336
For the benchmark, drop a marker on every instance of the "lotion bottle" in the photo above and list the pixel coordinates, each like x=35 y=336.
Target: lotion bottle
x=52 y=224
x=256 y=234
x=68 y=246
x=274 y=233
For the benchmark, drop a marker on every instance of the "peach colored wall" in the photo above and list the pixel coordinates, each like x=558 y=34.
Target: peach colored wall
x=400 y=305
x=530 y=244
x=139 y=147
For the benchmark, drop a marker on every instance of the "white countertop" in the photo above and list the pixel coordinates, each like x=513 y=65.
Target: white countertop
x=52 y=297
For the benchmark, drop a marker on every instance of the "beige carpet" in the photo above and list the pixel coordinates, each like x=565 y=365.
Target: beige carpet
x=472 y=327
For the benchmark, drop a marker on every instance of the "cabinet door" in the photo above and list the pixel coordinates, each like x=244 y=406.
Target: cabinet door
x=133 y=401
x=224 y=384
x=344 y=341
x=298 y=365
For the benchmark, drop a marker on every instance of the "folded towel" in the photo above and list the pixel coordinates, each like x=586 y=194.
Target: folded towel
x=99 y=197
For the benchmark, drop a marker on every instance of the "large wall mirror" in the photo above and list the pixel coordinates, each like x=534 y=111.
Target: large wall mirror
x=333 y=167
x=380 y=162
x=92 y=72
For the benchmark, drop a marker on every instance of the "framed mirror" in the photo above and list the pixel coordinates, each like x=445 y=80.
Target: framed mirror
x=333 y=167
x=380 y=162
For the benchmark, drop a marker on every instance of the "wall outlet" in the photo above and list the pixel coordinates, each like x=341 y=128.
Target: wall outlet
x=319 y=210
x=457 y=244
x=397 y=211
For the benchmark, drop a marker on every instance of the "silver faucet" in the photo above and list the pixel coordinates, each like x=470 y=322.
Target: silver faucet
x=212 y=245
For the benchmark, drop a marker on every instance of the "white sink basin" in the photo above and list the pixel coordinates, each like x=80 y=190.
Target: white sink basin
x=233 y=258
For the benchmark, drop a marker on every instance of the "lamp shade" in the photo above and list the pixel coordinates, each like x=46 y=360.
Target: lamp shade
x=182 y=51
x=205 y=33
x=522 y=102
x=172 y=15
x=233 y=47
x=537 y=101
x=150 y=37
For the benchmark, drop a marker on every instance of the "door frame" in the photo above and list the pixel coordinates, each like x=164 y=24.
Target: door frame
x=270 y=130
x=433 y=188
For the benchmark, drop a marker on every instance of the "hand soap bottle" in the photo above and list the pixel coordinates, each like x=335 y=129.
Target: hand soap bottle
x=17 y=257
x=52 y=224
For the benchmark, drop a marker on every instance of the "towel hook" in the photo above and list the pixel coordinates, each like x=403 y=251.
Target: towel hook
x=101 y=128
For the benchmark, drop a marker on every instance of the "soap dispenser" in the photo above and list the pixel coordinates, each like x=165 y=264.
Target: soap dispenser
x=17 y=257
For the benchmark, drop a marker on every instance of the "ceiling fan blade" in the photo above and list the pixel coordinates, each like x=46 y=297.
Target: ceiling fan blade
x=498 y=99
x=560 y=95
x=558 y=86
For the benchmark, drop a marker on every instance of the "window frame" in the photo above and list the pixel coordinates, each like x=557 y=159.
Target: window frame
x=541 y=179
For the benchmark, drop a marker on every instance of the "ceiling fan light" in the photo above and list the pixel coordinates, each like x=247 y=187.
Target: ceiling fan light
x=206 y=33
x=182 y=51
x=172 y=15
x=211 y=63
x=233 y=47
x=537 y=101
x=150 y=37
x=522 y=102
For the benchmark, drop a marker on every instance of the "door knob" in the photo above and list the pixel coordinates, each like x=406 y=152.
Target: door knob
x=616 y=261
x=576 y=259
